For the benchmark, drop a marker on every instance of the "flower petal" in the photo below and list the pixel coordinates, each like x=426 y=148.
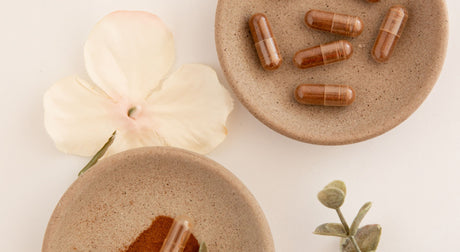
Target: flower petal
x=76 y=116
x=191 y=109
x=128 y=53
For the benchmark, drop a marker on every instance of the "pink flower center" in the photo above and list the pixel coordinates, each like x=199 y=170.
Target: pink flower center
x=134 y=112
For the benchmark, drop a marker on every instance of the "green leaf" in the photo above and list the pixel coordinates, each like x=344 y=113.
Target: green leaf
x=331 y=229
x=331 y=197
x=339 y=185
x=367 y=237
x=357 y=221
x=203 y=247
x=99 y=154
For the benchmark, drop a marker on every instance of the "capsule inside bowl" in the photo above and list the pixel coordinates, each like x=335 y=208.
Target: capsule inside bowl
x=324 y=95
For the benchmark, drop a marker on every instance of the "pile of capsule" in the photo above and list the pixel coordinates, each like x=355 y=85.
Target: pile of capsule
x=346 y=25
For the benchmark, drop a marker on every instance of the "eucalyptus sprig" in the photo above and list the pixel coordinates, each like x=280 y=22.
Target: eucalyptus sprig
x=354 y=239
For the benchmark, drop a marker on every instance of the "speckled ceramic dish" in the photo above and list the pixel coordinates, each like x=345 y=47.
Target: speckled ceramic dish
x=111 y=204
x=387 y=94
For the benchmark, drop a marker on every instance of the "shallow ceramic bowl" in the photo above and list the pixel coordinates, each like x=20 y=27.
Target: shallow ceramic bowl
x=111 y=204
x=387 y=94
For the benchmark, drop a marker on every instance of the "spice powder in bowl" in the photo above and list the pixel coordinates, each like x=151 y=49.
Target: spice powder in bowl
x=153 y=237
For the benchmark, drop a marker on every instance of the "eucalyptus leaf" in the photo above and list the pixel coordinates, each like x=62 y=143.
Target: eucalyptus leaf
x=331 y=229
x=339 y=185
x=357 y=221
x=99 y=154
x=367 y=237
x=203 y=247
x=331 y=197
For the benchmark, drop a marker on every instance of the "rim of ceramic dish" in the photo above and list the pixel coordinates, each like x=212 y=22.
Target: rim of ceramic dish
x=232 y=79
x=206 y=163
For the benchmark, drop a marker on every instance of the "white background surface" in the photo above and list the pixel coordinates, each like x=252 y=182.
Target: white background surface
x=411 y=174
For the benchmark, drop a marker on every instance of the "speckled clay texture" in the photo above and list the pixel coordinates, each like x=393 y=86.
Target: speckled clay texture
x=387 y=94
x=111 y=204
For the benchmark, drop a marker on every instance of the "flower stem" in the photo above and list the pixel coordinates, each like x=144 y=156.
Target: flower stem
x=344 y=222
x=99 y=154
x=353 y=241
x=347 y=229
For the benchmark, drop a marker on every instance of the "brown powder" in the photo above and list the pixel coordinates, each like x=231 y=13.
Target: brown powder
x=152 y=238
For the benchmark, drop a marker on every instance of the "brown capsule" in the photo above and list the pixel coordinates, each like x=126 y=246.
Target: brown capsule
x=324 y=95
x=266 y=46
x=342 y=24
x=372 y=1
x=390 y=32
x=323 y=54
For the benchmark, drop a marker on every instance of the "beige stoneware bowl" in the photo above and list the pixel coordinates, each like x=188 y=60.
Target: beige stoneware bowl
x=387 y=94
x=112 y=203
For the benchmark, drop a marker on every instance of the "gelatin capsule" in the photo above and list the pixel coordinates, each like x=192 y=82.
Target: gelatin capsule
x=342 y=24
x=323 y=54
x=178 y=235
x=372 y=1
x=390 y=32
x=266 y=46
x=324 y=95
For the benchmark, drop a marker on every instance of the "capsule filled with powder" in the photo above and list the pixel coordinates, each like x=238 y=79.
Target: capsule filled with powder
x=342 y=24
x=178 y=235
x=324 y=95
x=390 y=32
x=323 y=54
x=265 y=43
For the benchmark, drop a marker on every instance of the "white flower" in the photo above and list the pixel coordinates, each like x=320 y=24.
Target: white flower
x=127 y=56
